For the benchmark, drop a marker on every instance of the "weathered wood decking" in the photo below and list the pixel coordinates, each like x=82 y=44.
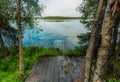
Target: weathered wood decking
x=57 y=69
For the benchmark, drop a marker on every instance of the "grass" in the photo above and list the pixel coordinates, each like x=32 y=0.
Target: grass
x=9 y=69
x=77 y=51
x=9 y=65
x=113 y=70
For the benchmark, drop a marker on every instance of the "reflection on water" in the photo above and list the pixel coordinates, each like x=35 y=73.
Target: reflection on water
x=55 y=34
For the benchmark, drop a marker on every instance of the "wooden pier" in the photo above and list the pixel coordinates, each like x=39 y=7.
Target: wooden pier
x=57 y=69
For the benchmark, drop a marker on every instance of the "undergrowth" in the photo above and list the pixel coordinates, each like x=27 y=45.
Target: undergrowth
x=9 y=64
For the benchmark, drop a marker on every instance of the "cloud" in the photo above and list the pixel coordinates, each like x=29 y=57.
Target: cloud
x=61 y=7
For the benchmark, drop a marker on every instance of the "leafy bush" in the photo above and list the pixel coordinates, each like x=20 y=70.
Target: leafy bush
x=113 y=79
x=77 y=51
x=113 y=71
x=9 y=65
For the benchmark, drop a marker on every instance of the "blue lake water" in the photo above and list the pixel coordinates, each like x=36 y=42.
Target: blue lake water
x=54 y=33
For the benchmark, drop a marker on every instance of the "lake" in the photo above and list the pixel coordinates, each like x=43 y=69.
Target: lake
x=55 y=33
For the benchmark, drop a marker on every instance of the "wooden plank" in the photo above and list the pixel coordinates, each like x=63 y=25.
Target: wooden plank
x=56 y=69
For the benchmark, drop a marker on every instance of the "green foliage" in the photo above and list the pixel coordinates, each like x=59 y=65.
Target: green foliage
x=113 y=70
x=41 y=51
x=112 y=79
x=9 y=65
x=78 y=51
x=60 y=17
x=10 y=60
x=0 y=52
x=88 y=10
x=8 y=22
x=31 y=54
x=84 y=38
x=8 y=69
x=10 y=77
x=8 y=32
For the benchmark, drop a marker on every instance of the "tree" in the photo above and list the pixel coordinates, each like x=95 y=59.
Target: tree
x=22 y=14
x=87 y=9
x=8 y=34
x=4 y=49
x=118 y=50
x=112 y=10
x=95 y=37
x=21 y=61
x=115 y=37
x=26 y=12
x=25 y=15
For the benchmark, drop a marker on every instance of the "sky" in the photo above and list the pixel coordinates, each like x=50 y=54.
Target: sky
x=61 y=7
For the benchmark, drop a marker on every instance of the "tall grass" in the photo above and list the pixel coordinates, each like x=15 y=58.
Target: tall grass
x=9 y=65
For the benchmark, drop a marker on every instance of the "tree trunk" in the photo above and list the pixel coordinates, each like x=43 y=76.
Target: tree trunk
x=21 y=61
x=4 y=49
x=94 y=36
x=114 y=38
x=118 y=50
x=106 y=37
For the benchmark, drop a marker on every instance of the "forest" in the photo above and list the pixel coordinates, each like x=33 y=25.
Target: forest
x=59 y=17
x=98 y=47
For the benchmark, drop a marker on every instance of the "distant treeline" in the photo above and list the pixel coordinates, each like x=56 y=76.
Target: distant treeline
x=59 y=17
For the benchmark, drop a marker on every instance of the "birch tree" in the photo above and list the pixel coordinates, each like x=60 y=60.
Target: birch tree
x=26 y=12
x=113 y=7
x=94 y=37
x=21 y=61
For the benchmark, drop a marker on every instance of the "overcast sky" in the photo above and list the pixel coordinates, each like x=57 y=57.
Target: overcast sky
x=60 y=7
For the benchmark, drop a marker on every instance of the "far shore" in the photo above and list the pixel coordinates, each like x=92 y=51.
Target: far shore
x=58 y=17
